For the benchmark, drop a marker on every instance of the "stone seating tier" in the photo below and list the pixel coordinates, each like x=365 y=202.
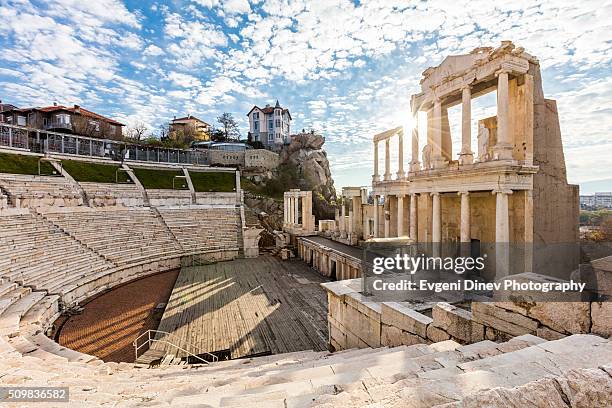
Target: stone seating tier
x=201 y=229
x=123 y=237
x=35 y=191
x=110 y=194
x=35 y=253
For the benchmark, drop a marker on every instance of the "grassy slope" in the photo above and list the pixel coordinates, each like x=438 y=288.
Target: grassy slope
x=158 y=178
x=22 y=164
x=93 y=172
x=213 y=181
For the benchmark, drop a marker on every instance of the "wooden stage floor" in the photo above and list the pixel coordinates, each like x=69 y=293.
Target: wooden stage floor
x=247 y=307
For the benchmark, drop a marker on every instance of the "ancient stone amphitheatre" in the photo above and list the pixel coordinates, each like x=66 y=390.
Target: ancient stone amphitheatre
x=291 y=326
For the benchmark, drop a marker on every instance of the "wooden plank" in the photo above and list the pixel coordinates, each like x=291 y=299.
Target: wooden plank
x=253 y=306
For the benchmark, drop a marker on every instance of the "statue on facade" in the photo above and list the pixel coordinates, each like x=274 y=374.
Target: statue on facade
x=483 y=143
x=426 y=157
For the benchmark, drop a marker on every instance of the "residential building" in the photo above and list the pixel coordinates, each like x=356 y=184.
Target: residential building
x=597 y=200
x=5 y=107
x=270 y=125
x=59 y=118
x=190 y=125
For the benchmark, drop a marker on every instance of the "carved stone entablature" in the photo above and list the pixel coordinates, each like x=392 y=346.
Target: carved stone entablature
x=457 y=71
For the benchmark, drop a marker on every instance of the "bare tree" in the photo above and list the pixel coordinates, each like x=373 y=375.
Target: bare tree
x=137 y=131
x=85 y=126
x=163 y=131
x=229 y=127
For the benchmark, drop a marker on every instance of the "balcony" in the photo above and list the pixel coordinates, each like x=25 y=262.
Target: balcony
x=57 y=125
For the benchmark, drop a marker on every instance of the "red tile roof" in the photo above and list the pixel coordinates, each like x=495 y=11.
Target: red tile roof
x=268 y=109
x=75 y=109
x=188 y=118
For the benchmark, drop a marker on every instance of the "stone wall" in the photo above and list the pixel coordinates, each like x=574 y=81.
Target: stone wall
x=212 y=198
x=260 y=159
x=251 y=159
x=169 y=197
x=356 y=321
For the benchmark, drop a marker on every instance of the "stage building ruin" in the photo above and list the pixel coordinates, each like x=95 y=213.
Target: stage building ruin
x=507 y=198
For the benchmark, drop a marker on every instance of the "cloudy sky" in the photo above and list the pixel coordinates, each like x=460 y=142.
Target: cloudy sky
x=346 y=69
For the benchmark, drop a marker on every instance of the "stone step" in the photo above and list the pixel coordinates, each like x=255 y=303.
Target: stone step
x=44 y=343
x=7 y=287
x=10 y=318
x=517 y=368
x=391 y=364
x=42 y=312
x=11 y=297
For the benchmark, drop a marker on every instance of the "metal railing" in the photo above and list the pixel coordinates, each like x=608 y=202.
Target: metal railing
x=44 y=141
x=154 y=339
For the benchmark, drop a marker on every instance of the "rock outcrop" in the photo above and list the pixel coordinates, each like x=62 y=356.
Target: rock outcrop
x=306 y=153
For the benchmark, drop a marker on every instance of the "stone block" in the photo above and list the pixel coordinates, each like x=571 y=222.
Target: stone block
x=398 y=315
x=548 y=334
x=601 y=317
x=390 y=336
x=435 y=334
x=587 y=388
x=491 y=309
x=457 y=322
x=569 y=317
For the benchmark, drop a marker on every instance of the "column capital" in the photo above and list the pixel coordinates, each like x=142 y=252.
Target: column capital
x=434 y=194
x=502 y=71
x=462 y=192
x=501 y=191
x=466 y=87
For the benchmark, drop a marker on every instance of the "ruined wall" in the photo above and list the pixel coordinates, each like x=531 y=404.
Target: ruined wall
x=555 y=203
x=356 y=321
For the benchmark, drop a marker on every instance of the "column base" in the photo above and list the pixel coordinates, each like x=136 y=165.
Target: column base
x=502 y=152
x=415 y=166
x=439 y=163
x=375 y=178
x=387 y=177
x=466 y=158
x=400 y=175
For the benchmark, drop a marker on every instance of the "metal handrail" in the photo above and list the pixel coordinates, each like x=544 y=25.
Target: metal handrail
x=150 y=340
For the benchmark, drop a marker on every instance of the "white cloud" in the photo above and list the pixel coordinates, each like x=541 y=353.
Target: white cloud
x=153 y=51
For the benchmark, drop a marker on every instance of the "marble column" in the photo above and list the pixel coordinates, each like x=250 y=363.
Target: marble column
x=414 y=163
x=290 y=208
x=413 y=217
x=437 y=159
x=436 y=224
x=502 y=224
x=466 y=156
x=350 y=224
x=387 y=175
x=503 y=148
x=400 y=153
x=386 y=208
x=376 y=176
x=286 y=210
x=502 y=233
x=436 y=221
x=464 y=234
x=343 y=220
x=375 y=232
x=400 y=215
